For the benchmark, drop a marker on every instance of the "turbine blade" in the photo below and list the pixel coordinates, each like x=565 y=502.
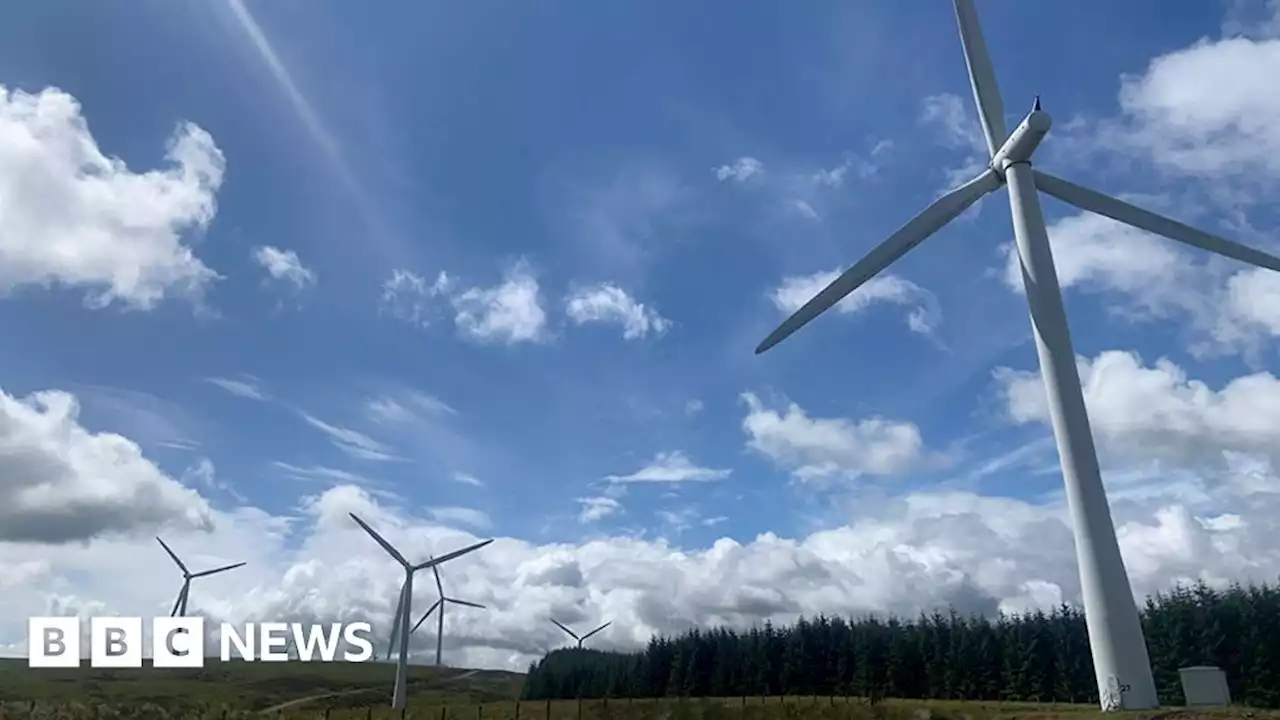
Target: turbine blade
x=395 y=620
x=449 y=556
x=183 y=597
x=593 y=632
x=425 y=615
x=385 y=545
x=1107 y=206
x=174 y=556
x=982 y=76
x=224 y=568
x=465 y=602
x=435 y=569
x=572 y=634
x=177 y=601
x=917 y=230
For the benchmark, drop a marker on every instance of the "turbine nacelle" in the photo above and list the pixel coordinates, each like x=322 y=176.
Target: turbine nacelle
x=180 y=605
x=1023 y=141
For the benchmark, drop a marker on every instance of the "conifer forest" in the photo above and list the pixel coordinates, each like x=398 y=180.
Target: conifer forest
x=1035 y=657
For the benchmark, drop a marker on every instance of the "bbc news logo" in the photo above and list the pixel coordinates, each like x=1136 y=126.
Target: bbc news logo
x=179 y=642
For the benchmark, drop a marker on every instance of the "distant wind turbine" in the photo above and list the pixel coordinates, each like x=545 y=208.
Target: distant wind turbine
x=1120 y=660
x=180 y=605
x=574 y=635
x=440 y=603
x=400 y=626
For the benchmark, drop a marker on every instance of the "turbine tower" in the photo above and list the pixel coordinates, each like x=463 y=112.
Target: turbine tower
x=180 y=605
x=574 y=635
x=440 y=603
x=400 y=623
x=1120 y=659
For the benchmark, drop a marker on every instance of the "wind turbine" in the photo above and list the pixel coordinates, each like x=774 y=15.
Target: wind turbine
x=440 y=603
x=400 y=626
x=1120 y=659
x=574 y=635
x=180 y=605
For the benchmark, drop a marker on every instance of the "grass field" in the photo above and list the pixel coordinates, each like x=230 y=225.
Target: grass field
x=341 y=692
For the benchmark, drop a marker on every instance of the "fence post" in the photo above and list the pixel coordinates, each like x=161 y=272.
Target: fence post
x=517 y=710
x=579 y=707
x=548 y=708
x=444 y=711
x=368 y=713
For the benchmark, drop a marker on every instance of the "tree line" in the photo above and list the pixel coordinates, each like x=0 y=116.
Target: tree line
x=1034 y=657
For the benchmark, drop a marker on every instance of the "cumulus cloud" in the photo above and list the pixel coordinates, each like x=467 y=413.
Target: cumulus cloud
x=407 y=296
x=510 y=312
x=923 y=550
x=740 y=170
x=608 y=303
x=1157 y=412
x=923 y=317
x=820 y=448
x=283 y=266
x=63 y=483
x=671 y=467
x=863 y=167
x=77 y=218
x=1230 y=145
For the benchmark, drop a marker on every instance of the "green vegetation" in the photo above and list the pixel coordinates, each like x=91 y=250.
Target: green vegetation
x=248 y=686
x=1032 y=658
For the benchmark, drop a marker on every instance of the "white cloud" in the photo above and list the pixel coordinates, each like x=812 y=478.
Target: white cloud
x=246 y=387
x=466 y=517
x=352 y=442
x=1158 y=412
x=671 y=467
x=1167 y=118
x=1230 y=145
x=62 y=482
x=924 y=550
x=862 y=167
x=608 y=303
x=406 y=296
x=741 y=170
x=693 y=407
x=594 y=509
x=956 y=122
x=411 y=406
x=924 y=316
x=819 y=448
x=510 y=312
x=468 y=479
x=77 y=218
x=321 y=473
x=283 y=265
x=803 y=209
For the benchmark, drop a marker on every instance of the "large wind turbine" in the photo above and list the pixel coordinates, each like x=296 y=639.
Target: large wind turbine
x=440 y=603
x=1120 y=659
x=180 y=605
x=574 y=635
x=400 y=623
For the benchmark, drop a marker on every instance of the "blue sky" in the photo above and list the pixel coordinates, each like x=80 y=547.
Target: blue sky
x=574 y=148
